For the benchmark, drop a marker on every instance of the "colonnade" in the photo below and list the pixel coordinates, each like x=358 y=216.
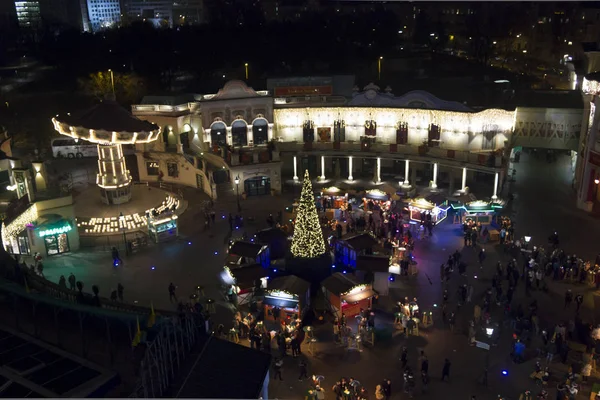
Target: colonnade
x=406 y=183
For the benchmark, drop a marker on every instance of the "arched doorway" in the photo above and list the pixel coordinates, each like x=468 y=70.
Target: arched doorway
x=260 y=131
x=218 y=133
x=239 y=133
x=257 y=186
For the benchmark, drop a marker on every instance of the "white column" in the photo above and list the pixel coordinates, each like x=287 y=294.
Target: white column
x=249 y=137
x=435 y=173
x=323 y=167
x=378 y=170
x=406 y=173
x=295 y=170
x=350 y=177
x=495 y=195
x=464 y=180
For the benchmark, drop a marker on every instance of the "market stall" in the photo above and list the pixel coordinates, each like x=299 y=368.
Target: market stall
x=347 y=250
x=334 y=197
x=163 y=227
x=243 y=281
x=248 y=253
x=286 y=298
x=478 y=211
x=435 y=206
x=346 y=295
x=376 y=199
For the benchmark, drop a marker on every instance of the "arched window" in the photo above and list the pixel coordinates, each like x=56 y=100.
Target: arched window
x=402 y=133
x=434 y=135
x=239 y=133
x=370 y=128
x=260 y=131
x=218 y=133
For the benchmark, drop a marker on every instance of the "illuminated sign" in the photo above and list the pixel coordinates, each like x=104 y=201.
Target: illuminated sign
x=57 y=231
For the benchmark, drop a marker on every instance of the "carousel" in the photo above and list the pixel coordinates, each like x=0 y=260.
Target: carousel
x=376 y=199
x=334 y=197
x=434 y=206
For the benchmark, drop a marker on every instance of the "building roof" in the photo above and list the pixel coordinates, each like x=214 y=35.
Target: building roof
x=289 y=283
x=245 y=249
x=372 y=97
x=269 y=234
x=107 y=116
x=339 y=283
x=235 y=89
x=549 y=99
x=225 y=370
x=373 y=263
x=360 y=242
x=169 y=100
x=247 y=275
x=31 y=368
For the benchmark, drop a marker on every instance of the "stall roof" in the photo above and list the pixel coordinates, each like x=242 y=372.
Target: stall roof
x=225 y=370
x=361 y=293
x=248 y=274
x=436 y=198
x=269 y=234
x=245 y=249
x=360 y=242
x=376 y=194
x=289 y=283
x=373 y=263
x=281 y=302
x=339 y=283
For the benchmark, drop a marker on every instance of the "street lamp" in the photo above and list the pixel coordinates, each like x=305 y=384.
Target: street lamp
x=122 y=226
x=379 y=67
x=237 y=186
x=112 y=81
x=246 y=66
x=596 y=181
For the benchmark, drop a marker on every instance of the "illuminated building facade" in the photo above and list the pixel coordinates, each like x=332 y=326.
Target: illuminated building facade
x=28 y=14
x=103 y=14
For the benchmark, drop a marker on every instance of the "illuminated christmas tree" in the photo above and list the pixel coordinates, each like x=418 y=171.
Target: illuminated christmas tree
x=308 y=238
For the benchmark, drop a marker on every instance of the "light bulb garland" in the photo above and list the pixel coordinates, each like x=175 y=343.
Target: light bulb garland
x=19 y=224
x=307 y=241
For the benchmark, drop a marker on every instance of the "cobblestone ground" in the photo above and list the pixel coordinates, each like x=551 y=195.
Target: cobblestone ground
x=544 y=202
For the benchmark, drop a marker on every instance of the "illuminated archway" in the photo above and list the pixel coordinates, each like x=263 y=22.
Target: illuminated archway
x=239 y=133
x=260 y=131
x=218 y=133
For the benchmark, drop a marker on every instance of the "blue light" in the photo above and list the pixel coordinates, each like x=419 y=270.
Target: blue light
x=237 y=227
x=391 y=278
x=332 y=266
x=153 y=268
x=343 y=272
x=504 y=372
x=189 y=242
x=223 y=217
x=267 y=278
x=216 y=252
x=274 y=269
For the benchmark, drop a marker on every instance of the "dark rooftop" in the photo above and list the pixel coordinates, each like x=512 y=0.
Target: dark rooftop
x=339 y=283
x=225 y=370
x=245 y=249
x=108 y=116
x=247 y=275
x=593 y=76
x=361 y=242
x=169 y=100
x=549 y=99
x=289 y=283
x=30 y=368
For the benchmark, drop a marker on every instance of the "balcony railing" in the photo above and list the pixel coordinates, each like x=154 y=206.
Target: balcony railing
x=484 y=158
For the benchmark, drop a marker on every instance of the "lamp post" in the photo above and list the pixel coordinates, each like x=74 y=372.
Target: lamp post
x=379 y=67
x=596 y=182
x=112 y=81
x=122 y=226
x=527 y=240
x=237 y=187
x=246 y=67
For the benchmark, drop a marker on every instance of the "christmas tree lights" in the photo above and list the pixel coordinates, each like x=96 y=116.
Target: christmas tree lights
x=308 y=237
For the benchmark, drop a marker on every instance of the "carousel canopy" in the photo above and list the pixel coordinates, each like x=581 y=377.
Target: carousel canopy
x=106 y=122
x=333 y=191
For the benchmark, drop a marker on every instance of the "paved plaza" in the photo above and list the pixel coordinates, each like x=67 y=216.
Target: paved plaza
x=543 y=203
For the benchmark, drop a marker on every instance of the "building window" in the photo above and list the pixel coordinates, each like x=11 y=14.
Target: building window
x=173 y=170
x=152 y=168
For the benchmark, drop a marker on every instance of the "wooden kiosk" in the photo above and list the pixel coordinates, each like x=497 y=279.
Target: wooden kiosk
x=376 y=199
x=335 y=198
x=435 y=205
x=346 y=295
x=286 y=297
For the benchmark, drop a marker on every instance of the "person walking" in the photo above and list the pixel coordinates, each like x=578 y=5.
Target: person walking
x=303 y=370
x=578 y=302
x=404 y=357
x=62 y=282
x=172 y=295
x=116 y=258
x=120 y=289
x=446 y=370
x=278 y=367
x=72 y=282
x=568 y=298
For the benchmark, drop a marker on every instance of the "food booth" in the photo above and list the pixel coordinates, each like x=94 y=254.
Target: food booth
x=347 y=250
x=334 y=197
x=435 y=205
x=244 y=280
x=286 y=298
x=346 y=295
x=163 y=227
x=376 y=199
x=479 y=211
